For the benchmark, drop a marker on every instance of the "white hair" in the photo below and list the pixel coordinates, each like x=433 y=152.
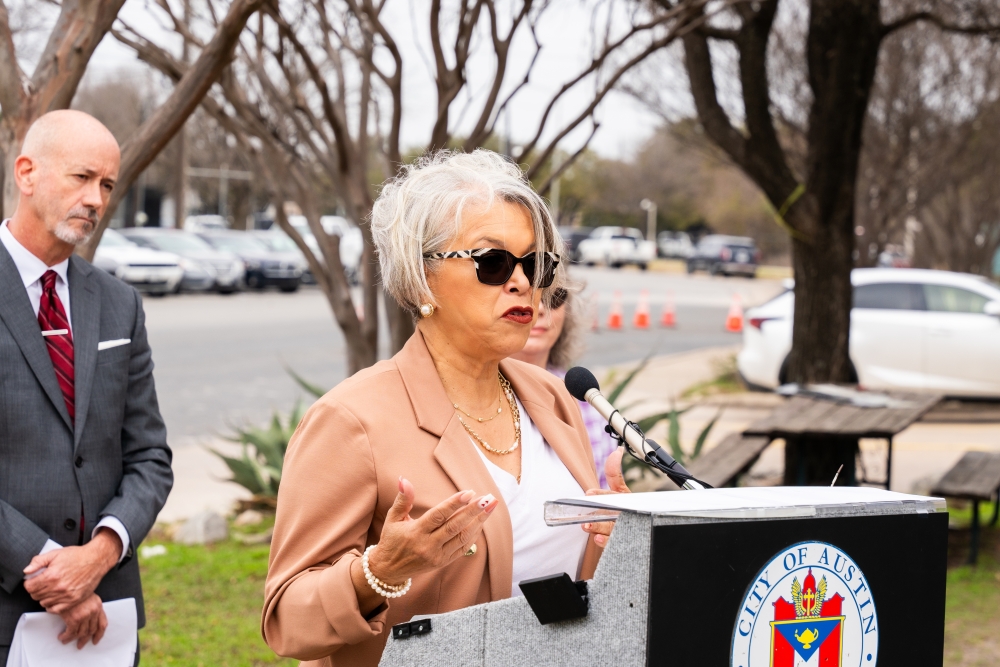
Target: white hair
x=420 y=211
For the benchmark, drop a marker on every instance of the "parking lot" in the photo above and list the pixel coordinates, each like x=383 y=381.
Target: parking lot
x=220 y=358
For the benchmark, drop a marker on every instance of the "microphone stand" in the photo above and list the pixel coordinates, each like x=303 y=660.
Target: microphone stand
x=657 y=458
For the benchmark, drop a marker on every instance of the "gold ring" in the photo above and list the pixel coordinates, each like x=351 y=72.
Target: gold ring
x=471 y=551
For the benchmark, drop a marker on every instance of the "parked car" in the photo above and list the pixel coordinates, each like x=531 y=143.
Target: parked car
x=674 y=245
x=725 y=255
x=147 y=270
x=280 y=242
x=893 y=256
x=616 y=247
x=572 y=237
x=263 y=267
x=204 y=267
x=352 y=244
x=911 y=329
x=205 y=223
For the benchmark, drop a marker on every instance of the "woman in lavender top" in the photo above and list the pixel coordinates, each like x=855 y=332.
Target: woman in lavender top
x=555 y=341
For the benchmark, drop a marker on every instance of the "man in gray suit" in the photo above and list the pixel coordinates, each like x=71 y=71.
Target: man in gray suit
x=84 y=462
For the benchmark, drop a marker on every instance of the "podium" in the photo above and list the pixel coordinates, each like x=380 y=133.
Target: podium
x=751 y=577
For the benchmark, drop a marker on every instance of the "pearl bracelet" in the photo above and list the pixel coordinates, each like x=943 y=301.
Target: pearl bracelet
x=379 y=586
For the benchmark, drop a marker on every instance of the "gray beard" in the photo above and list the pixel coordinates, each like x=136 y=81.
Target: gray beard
x=67 y=233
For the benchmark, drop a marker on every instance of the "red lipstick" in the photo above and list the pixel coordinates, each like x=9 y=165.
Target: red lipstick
x=520 y=314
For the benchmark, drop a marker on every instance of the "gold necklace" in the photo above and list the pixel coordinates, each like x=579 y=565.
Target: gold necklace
x=515 y=415
x=483 y=419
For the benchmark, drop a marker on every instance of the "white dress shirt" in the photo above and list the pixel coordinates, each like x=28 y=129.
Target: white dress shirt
x=539 y=550
x=32 y=269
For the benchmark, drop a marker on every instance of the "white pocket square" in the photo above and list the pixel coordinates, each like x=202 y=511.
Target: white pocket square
x=106 y=344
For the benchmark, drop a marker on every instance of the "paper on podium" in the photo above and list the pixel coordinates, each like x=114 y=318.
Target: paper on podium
x=731 y=503
x=36 y=640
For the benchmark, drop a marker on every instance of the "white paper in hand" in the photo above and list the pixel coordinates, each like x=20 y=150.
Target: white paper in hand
x=36 y=640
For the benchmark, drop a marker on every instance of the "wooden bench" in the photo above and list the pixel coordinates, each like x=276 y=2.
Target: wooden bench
x=975 y=477
x=721 y=465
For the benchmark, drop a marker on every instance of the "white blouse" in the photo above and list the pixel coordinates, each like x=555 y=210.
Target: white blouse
x=538 y=549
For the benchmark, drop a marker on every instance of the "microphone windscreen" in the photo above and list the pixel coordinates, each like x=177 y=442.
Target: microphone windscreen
x=579 y=381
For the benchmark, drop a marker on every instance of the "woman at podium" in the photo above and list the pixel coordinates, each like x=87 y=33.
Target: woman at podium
x=416 y=486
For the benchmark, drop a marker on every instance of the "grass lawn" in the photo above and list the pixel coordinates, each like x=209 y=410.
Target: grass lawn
x=203 y=606
x=972 y=616
x=203 y=603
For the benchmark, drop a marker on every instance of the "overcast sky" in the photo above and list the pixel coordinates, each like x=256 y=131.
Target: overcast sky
x=564 y=33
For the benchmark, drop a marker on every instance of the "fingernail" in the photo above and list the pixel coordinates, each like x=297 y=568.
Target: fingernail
x=466 y=496
x=400 y=483
x=587 y=526
x=601 y=540
x=489 y=510
x=486 y=500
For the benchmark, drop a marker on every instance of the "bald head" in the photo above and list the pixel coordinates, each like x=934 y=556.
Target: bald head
x=68 y=131
x=65 y=173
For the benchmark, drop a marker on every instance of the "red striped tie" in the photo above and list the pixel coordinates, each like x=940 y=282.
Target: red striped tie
x=52 y=317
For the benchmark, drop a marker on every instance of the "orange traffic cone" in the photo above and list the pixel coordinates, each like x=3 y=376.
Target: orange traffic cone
x=615 y=317
x=734 y=320
x=669 y=317
x=595 y=317
x=641 y=319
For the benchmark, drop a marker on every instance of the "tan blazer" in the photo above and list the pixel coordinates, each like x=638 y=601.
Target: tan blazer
x=340 y=479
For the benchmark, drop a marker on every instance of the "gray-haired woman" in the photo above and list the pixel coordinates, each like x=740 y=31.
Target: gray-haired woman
x=417 y=485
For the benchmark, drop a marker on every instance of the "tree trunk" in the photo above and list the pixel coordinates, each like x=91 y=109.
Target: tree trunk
x=12 y=133
x=401 y=324
x=842 y=51
x=822 y=320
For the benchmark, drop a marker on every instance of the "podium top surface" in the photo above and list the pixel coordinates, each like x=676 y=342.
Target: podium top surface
x=741 y=503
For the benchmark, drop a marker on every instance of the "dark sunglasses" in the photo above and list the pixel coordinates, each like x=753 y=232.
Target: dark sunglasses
x=558 y=299
x=495 y=267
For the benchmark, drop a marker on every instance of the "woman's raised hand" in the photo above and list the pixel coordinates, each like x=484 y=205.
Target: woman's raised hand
x=616 y=480
x=444 y=533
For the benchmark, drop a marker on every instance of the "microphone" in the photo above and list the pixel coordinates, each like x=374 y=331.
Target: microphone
x=582 y=384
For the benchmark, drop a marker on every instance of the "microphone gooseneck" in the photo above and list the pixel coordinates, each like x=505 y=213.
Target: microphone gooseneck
x=583 y=386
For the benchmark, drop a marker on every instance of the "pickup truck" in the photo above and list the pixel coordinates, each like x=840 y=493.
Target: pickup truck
x=616 y=247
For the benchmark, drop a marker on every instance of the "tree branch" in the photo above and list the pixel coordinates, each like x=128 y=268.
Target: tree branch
x=724 y=34
x=80 y=27
x=12 y=79
x=758 y=153
x=143 y=147
x=544 y=187
x=686 y=16
x=946 y=26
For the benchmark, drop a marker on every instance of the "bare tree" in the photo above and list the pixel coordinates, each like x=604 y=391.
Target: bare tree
x=316 y=96
x=79 y=28
x=783 y=88
x=926 y=140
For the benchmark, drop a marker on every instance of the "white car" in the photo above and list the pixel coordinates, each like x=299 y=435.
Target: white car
x=615 y=247
x=911 y=330
x=205 y=223
x=352 y=244
x=145 y=269
x=675 y=245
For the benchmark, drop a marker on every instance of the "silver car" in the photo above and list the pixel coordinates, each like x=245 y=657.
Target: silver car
x=204 y=267
x=147 y=270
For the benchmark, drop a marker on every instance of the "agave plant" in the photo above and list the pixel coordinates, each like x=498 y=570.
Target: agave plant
x=258 y=470
x=631 y=466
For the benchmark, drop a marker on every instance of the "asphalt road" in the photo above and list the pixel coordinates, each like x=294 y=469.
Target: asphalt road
x=220 y=359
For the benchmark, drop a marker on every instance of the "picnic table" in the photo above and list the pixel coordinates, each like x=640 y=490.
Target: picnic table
x=814 y=421
x=976 y=477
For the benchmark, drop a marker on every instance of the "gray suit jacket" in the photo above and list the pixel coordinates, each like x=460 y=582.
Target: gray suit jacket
x=114 y=462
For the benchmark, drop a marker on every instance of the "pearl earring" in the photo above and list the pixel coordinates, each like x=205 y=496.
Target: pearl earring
x=426 y=310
